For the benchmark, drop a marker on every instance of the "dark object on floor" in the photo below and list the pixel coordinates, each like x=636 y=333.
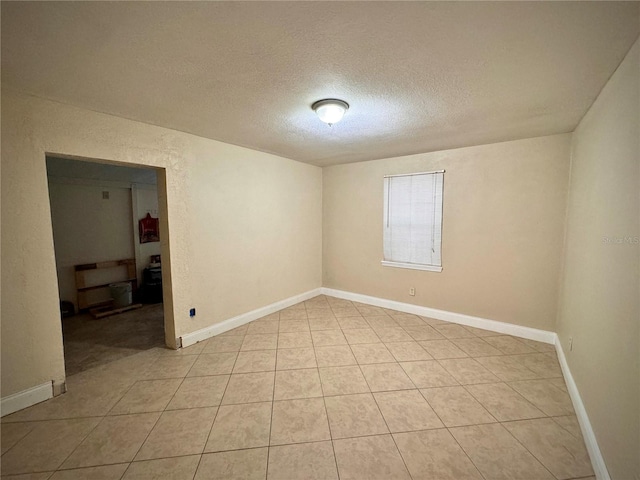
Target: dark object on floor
x=152 y=287
x=67 y=309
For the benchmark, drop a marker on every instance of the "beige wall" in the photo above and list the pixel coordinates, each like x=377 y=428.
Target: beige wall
x=504 y=207
x=87 y=229
x=601 y=287
x=215 y=195
x=145 y=201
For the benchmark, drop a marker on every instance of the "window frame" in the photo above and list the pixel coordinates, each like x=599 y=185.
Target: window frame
x=409 y=265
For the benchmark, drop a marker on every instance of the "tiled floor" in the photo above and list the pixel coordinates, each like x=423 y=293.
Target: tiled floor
x=89 y=343
x=326 y=389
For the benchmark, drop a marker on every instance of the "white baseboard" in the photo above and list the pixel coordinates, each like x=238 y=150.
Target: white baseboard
x=597 y=460
x=26 y=398
x=226 y=325
x=462 y=319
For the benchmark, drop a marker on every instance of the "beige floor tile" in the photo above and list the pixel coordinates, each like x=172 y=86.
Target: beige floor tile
x=339 y=302
x=393 y=334
x=240 y=464
x=308 y=461
x=223 y=344
x=335 y=356
x=169 y=367
x=12 y=433
x=468 y=371
x=563 y=454
x=178 y=433
x=327 y=322
x=345 y=311
x=198 y=392
x=114 y=440
x=299 y=325
x=295 y=358
x=570 y=424
x=547 y=397
x=240 y=426
x=453 y=331
x=319 y=313
x=304 y=383
x=263 y=326
x=480 y=332
x=295 y=340
x=406 y=411
x=293 y=314
x=249 y=387
x=179 y=468
x=323 y=338
x=539 y=346
x=105 y=472
x=360 y=335
x=372 y=458
x=350 y=323
x=476 y=347
x=508 y=345
x=369 y=310
x=238 y=331
x=372 y=353
x=262 y=341
x=544 y=364
x=47 y=445
x=147 y=396
x=383 y=377
x=29 y=476
x=299 y=421
x=213 y=364
x=441 y=349
x=406 y=316
x=507 y=367
x=434 y=321
x=435 y=454
x=410 y=321
x=559 y=382
x=342 y=380
x=408 y=351
x=497 y=454
x=503 y=402
x=424 y=333
x=87 y=398
x=354 y=416
x=255 y=361
x=456 y=407
x=428 y=373
x=380 y=321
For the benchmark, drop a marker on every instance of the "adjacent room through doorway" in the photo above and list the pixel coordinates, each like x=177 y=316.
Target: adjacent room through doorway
x=107 y=245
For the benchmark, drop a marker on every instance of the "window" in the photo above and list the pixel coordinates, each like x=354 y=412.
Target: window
x=413 y=221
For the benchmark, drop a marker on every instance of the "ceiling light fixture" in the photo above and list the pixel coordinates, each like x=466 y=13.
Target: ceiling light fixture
x=330 y=110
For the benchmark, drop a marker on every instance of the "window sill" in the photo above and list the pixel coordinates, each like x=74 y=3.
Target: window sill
x=412 y=266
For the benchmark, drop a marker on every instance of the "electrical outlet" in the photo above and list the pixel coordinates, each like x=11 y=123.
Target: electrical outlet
x=412 y=291
x=570 y=344
x=192 y=312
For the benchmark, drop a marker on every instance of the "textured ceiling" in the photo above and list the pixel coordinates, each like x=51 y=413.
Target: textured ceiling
x=419 y=76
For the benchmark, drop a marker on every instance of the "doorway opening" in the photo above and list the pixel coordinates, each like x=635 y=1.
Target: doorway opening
x=109 y=260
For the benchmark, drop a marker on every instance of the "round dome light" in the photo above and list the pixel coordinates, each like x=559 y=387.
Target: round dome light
x=330 y=110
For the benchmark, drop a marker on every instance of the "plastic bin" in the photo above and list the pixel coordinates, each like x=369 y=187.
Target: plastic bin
x=122 y=294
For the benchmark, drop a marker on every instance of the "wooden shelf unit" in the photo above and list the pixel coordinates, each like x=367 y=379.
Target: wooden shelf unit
x=82 y=287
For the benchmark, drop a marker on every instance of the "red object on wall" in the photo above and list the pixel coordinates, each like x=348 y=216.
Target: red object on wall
x=149 y=229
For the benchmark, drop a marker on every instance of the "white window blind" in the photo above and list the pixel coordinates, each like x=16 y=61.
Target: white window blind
x=413 y=221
